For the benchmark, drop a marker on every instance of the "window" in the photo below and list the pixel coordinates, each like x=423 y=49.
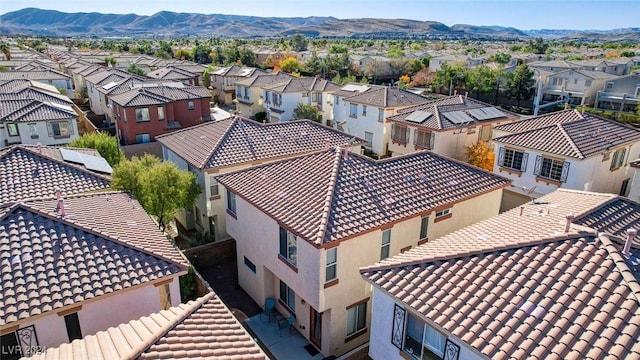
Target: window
x=617 y=160
x=288 y=296
x=73 y=326
x=231 y=202
x=246 y=92
x=213 y=186
x=288 y=246
x=386 y=244
x=356 y=318
x=552 y=169
x=142 y=138
x=160 y=113
x=424 y=227
x=305 y=94
x=399 y=133
x=337 y=100
x=380 y=115
x=364 y=110
x=277 y=99
x=443 y=212
x=624 y=188
x=267 y=97
x=513 y=159
x=238 y=91
x=198 y=217
x=13 y=129
x=142 y=115
x=368 y=136
x=165 y=296
x=10 y=347
x=421 y=340
x=424 y=139
x=609 y=86
x=59 y=128
x=332 y=264
x=353 y=110
x=587 y=83
x=250 y=265
x=192 y=105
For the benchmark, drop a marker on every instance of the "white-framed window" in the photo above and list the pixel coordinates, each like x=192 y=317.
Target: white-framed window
x=192 y=105
x=443 y=212
x=289 y=246
x=421 y=339
x=380 y=115
x=609 y=85
x=142 y=138
x=331 y=272
x=60 y=128
x=424 y=139
x=12 y=128
x=424 y=227
x=213 y=186
x=553 y=169
x=142 y=114
x=288 y=296
x=353 y=110
x=364 y=110
x=160 y=113
x=617 y=160
x=385 y=245
x=246 y=92
x=368 y=136
x=513 y=159
x=231 y=202
x=356 y=318
x=399 y=133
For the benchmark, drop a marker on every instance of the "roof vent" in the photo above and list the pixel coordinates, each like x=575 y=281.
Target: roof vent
x=631 y=234
x=567 y=225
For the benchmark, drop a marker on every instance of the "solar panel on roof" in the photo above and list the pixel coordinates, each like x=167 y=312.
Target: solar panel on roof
x=110 y=85
x=60 y=106
x=418 y=116
x=458 y=117
x=486 y=113
x=96 y=163
x=245 y=72
x=355 y=87
x=71 y=156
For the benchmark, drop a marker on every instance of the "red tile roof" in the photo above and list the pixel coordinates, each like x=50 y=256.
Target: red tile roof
x=518 y=286
x=201 y=329
x=28 y=171
x=235 y=141
x=326 y=196
x=49 y=261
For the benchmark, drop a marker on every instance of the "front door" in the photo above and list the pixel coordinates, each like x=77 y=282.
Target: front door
x=316 y=327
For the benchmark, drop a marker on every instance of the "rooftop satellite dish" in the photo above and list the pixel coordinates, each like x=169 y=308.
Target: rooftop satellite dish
x=530 y=192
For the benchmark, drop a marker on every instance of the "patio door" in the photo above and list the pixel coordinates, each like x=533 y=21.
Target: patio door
x=315 y=331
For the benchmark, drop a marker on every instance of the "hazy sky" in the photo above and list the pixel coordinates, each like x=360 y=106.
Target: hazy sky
x=522 y=14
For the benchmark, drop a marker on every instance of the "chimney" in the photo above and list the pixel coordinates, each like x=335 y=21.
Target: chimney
x=60 y=207
x=569 y=218
x=631 y=234
x=327 y=143
x=345 y=153
x=40 y=148
x=466 y=94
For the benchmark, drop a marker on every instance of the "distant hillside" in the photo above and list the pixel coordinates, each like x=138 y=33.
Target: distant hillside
x=35 y=21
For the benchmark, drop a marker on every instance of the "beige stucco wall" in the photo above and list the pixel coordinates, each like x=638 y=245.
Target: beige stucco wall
x=257 y=238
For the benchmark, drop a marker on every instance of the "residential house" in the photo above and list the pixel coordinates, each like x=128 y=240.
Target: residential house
x=78 y=76
x=445 y=126
x=149 y=110
x=56 y=78
x=374 y=67
x=435 y=63
x=304 y=226
x=621 y=94
x=611 y=66
x=281 y=99
x=576 y=86
x=236 y=143
x=361 y=110
x=30 y=171
x=175 y=74
x=249 y=92
x=76 y=265
x=555 y=279
x=204 y=328
x=564 y=149
x=223 y=81
x=106 y=78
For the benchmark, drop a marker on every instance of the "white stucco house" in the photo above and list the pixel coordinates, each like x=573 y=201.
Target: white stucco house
x=564 y=149
x=303 y=226
x=249 y=93
x=578 y=86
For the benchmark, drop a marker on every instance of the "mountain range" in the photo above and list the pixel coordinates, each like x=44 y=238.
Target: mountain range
x=33 y=21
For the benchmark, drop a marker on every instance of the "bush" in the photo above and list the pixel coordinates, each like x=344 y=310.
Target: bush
x=188 y=285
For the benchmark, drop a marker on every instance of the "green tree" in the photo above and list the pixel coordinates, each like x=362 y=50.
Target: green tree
x=135 y=69
x=160 y=186
x=449 y=77
x=290 y=65
x=182 y=54
x=6 y=50
x=104 y=143
x=298 y=42
x=110 y=61
x=500 y=58
x=522 y=83
x=307 y=111
x=481 y=79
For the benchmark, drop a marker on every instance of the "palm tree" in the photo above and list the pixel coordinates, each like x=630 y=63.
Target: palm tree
x=6 y=50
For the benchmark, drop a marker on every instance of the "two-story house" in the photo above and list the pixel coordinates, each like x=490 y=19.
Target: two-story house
x=622 y=94
x=578 y=86
x=304 y=226
x=56 y=78
x=107 y=78
x=250 y=95
x=361 y=110
x=281 y=99
x=445 y=126
x=236 y=143
x=149 y=110
x=564 y=149
x=175 y=74
x=75 y=265
x=556 y=279
x=223 y=81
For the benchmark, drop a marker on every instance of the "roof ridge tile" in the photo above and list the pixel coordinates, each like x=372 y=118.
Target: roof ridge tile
x=570 y=140
x=331 y=189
